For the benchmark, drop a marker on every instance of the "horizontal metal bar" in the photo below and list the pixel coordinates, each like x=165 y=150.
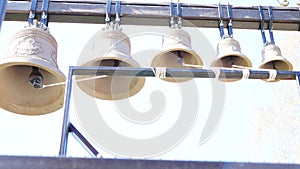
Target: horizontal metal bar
x=92 y=11
x=178 y=72
x=22 y=162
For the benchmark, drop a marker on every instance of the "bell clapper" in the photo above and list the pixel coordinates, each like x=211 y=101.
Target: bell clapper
x=231 y=62
x=180 y=58
x=116 y=63
x=35 y=78
x=274 y=67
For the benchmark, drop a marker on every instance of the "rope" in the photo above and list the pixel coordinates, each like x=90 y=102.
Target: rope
x=191 y=65
x=160 y=72
x=77 y=80
x=272 y=72
x=272 y=75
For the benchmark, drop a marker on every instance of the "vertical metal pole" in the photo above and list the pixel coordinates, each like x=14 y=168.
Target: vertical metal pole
x=2 y=11
x=66 y=118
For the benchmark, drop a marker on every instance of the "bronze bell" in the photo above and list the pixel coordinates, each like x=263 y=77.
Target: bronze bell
x=110 y=48
x=273 y=59
x=229 y=54
x=31 y=62
x=176 y=46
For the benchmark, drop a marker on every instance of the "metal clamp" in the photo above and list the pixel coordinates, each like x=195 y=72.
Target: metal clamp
x=172 y=14
x=31 y=15
x=261 y=25
x=107 y=14
x=229 y=12
x=44 y=16
x=221 y=24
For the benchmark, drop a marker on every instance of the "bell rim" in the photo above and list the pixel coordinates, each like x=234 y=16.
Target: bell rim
x=129 y=60
x=188 y=50
x=170 y=49
x=116 y=96
x=223 y=55
x=33 y=111
x=6 y=62
x=277 y=58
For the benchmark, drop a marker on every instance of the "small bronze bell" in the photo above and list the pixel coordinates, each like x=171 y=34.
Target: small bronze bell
x=273 y=59
x=177 y=51
x=229 y=54
x=31 y=62
x=110 y=48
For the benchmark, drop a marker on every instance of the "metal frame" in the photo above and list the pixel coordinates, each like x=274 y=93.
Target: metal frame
x=143 y=14
x=156 y=14
x=149 y=72
x=25 y=162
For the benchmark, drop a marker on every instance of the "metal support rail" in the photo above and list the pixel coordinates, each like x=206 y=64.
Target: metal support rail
x=25 y=162
x=150 y=72
x=156 y=14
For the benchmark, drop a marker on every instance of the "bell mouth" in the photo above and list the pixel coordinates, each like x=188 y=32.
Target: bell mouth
x=111 y=88
x=277 y=65
x=177 y=59
x=21 y=97
x=228 y=61
x=276 y=62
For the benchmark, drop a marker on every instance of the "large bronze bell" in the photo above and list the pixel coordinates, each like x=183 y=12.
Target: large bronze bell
x=273 y=59
x=229 y=54
x=31 y=62
x=110 y=48
x=177 y=51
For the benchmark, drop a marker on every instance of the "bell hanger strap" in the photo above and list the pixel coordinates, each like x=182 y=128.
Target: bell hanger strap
x=107 y=15
x=261 y=25
x=172 y=15
x=270 y=26
x=270 y=11
x=179 y=15
x=108 y=24
x=118 y=19
x=44 y=16
x=221 y=24
x=32 y=11
x=229 y=12
x=172 y=23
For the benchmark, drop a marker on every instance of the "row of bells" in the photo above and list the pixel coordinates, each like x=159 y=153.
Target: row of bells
x=31 y=61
